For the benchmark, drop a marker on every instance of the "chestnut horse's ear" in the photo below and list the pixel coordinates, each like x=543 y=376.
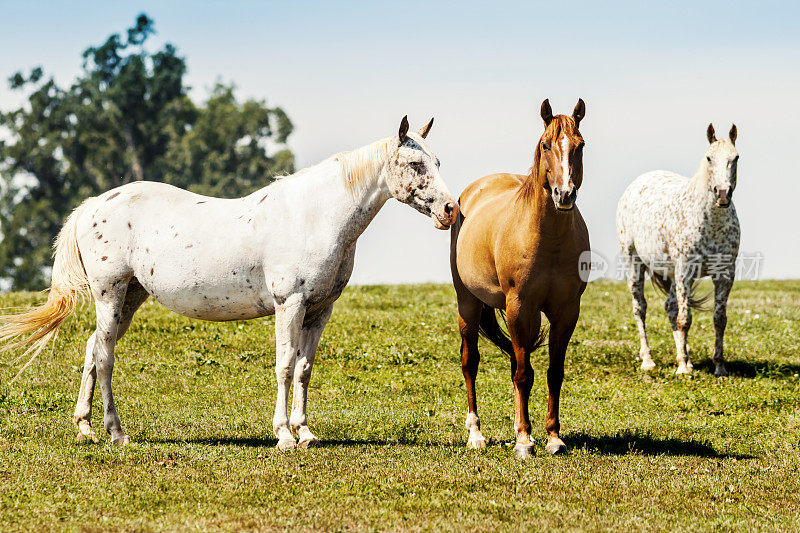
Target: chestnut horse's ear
x=732 y=134
x=712 y=137
x=547 y=112
x=403 y=133
x=579 y=112
x=423 y=132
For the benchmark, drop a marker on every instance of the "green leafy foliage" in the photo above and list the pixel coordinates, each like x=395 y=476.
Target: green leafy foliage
x=126 y=117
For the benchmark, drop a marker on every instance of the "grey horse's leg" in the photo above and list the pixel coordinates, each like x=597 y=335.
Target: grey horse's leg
x=722 y=288
x=635 y=277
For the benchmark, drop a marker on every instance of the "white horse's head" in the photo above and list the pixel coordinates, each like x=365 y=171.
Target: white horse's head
x=721 y=161
x=412 y=175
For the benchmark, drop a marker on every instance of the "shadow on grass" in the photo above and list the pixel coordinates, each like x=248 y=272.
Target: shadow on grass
x=260 y=442
x=752 y=369
x=629 y=443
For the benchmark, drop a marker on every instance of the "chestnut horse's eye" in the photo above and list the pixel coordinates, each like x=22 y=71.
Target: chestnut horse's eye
x=545 y=145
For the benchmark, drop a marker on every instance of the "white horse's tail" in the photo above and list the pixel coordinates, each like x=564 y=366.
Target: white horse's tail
x=36 y=327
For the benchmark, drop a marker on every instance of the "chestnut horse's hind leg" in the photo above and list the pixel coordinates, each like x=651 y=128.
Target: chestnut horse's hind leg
x=134 y=297
x=469 y=315
x=561 y=328
x=523 y=328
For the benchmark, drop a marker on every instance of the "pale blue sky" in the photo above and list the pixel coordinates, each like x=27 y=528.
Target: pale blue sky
x=652 y=75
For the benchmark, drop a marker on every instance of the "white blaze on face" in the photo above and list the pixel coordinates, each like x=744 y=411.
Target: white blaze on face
x=565 y=163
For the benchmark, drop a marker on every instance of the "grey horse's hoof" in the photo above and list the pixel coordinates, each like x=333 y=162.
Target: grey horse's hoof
x=720 y=371
x=122 y=440
x=523 y=451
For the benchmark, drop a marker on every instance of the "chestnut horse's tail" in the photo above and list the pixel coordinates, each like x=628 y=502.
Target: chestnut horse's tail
x=492 y=331
x=664 y=284
x=36 y=327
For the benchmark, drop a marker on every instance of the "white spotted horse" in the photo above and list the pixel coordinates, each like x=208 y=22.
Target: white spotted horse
x=679 y=230
x=287 y=249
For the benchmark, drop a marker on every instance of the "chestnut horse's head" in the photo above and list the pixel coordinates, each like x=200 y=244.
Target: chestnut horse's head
x=559 y=156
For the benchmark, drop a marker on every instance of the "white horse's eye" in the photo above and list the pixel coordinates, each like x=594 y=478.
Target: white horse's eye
x=417 y=165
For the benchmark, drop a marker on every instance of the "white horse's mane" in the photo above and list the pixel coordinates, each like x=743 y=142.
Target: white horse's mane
x=362 y=165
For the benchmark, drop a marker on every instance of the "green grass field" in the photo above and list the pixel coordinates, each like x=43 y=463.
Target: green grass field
x=647 y=451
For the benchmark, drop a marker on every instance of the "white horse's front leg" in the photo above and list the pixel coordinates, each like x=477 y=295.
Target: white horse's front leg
x=311 y=334
x=288 y=323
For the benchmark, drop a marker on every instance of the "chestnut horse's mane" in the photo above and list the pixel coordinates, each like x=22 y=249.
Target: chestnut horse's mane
x=528 y=189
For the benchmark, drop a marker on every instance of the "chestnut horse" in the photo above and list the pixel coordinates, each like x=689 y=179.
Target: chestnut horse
x=515 y=250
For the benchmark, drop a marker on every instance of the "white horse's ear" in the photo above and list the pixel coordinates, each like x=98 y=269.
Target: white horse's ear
x=732 y=134
x=547 y=112
x=403 y=133
x=579 y=112
x=712 y=137
x=423 y=132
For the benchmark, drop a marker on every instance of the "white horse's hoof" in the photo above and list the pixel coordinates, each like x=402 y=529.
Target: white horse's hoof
x=648 y=365
x=286 y=444
x=124 y=440
x=682 y=370
x=312 y=442
x=523 y=451
x=476 y=444
x=720 y=371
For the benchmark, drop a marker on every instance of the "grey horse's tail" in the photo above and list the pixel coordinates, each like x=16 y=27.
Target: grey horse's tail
x=696 y=301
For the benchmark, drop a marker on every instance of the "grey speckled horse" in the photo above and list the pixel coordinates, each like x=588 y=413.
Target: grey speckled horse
x=679 y=230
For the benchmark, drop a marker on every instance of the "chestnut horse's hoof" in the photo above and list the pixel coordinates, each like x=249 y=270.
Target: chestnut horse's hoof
x=523 y=451
x=556 y=447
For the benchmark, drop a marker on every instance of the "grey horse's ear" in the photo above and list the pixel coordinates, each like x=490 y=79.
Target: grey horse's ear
x=547 y=112
x=423 y=132
x=579 y=112
x=403 y=133
x=732 y=134
x=712 y=137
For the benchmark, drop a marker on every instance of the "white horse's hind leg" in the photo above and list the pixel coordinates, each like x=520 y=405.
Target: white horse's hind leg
x=311 y=334
x=134 y=297
x=83 y=409
x=288 y=323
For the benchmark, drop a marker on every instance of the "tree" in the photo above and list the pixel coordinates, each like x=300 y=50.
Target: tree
x=126 y=117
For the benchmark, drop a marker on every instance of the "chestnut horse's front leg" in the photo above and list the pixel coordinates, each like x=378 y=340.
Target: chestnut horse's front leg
x=561 y=327
x=523 y=327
